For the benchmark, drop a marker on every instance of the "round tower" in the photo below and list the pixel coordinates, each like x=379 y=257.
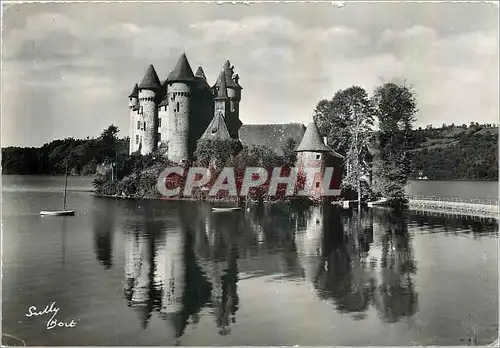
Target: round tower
x=148 y=110
x=180 y=82
x=133 y=102
x=312 y=152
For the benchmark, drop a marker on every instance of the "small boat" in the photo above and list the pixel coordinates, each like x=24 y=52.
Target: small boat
x=221 y=210
x=57 y=212
x=64 y=211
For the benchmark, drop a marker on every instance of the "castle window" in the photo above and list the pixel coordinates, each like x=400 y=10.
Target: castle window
x=232 y=105
x=144 y=126
x=137 y=139
x=159 y=122
x=177 y=108
x=317 y=184
x=139 y=125
x=318 y=157
x=141 y=111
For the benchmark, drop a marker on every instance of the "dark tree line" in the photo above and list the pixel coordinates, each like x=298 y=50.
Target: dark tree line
x=80 y=156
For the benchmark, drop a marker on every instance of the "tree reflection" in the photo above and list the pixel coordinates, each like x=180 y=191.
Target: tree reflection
x=396 y=294
x=104 y=228
x=343 y=273
x=336 y=251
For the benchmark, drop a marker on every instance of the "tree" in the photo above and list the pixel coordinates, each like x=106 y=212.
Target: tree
x=347 y=121
x=360 y=126
x=395 y=107
x=332 y=119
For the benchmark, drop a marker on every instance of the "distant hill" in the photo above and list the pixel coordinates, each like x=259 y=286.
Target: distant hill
x=456 y=152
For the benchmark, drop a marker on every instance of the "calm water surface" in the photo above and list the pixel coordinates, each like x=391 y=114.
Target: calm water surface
x=163 y=273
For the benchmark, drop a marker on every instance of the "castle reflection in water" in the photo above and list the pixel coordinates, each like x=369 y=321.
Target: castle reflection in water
x=181 y=258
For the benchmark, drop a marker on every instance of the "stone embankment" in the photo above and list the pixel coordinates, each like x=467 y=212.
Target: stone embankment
x=459 y=208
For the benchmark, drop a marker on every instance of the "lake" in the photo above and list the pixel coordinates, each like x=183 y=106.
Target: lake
x=485 y=192
x=131 y=272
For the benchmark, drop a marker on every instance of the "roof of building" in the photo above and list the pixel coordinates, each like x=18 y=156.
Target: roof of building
x=228 y=74
x=164 y=101
x=274 y=136
x=182 y=71
x=221 y=89
x=216 y=129
x=150 y=79
x=200 y=73
x=312 y=141
x=201 y=78
x=135 y=92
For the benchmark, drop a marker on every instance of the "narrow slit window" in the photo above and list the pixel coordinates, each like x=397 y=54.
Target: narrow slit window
x=139 y=125
x=159 y=122
x=137 y=139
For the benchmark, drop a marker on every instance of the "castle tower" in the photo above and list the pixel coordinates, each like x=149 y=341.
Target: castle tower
x=148 y=109
x=179 y=85
x=133 y=105
x=233 y=92
x=222 y=100
x=314 y=153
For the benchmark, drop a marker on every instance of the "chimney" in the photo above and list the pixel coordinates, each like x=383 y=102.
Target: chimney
x=325 y=140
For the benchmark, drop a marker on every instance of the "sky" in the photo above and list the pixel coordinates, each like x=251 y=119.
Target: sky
x=68 y=68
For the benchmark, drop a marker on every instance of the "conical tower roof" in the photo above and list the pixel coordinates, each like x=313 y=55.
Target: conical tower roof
x=135 y=92
x=216 y=129
x=312 y=142
x=182 y=71
x=222 y=89
x=150 y=79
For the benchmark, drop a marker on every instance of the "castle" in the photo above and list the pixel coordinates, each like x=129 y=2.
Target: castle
x=173 y=115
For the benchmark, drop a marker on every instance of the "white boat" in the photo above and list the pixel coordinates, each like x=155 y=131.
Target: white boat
x=220 y=210
x=57 y=212
x=64 y=211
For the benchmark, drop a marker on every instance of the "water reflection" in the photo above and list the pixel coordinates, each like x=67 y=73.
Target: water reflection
x=181 y=259
x=396 y=295
x=104 y=227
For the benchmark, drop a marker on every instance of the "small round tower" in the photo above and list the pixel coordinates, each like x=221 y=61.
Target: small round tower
x=312 y=152
x=133 y=101
x=180 y=82
x=148 y=109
